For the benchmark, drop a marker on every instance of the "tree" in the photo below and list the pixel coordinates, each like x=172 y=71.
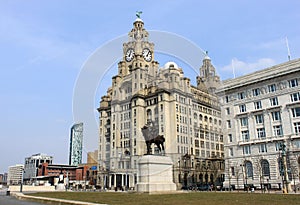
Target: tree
x=261 y=170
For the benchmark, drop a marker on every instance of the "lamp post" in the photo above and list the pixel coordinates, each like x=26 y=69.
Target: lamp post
x=22 y=175
x=284 y=172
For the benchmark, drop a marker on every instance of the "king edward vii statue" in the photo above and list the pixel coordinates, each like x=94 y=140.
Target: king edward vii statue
x=151 y=134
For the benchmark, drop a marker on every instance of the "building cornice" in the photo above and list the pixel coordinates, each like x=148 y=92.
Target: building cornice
x=261 y=75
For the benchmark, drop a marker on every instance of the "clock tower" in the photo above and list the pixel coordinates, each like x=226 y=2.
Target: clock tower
x=138 y=66
x=138 y=52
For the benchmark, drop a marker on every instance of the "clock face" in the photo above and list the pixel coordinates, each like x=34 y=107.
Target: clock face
x=129 y=55
x=147 y=54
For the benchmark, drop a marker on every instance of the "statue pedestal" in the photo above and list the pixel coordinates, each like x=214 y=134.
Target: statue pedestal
x=60 y=187
x=155 y=174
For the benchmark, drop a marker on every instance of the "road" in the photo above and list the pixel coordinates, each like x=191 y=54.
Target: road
x=9 y=200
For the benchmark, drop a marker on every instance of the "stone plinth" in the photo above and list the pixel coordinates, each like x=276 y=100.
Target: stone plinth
x=60 y=187
x=155 y=174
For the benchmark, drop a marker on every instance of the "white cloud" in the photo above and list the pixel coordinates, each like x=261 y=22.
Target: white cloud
x=240 y=68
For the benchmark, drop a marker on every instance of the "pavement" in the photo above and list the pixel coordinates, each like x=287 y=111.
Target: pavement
x=46 y=200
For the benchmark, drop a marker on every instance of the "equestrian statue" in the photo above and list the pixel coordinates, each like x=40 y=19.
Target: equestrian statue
x=151 y=135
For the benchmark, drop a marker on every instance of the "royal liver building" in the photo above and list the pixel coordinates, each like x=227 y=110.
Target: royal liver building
x=189 y=118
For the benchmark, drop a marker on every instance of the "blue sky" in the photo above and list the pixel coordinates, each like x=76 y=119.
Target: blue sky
x=44 y=44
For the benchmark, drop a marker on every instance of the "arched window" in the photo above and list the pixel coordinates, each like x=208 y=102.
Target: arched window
x=206 y=178
x=216 y=121
x=195 y=116
x=201 y=178
x=280 y=166
x=211 y=178
x=205 y=118
x=265 y=168
x=249 y=169
x=210 y=120
x=200 y=117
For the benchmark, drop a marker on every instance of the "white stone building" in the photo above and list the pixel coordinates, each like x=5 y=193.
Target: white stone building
x=32 y=164
x=188 y=116
x=260 y=111
x=15 y=174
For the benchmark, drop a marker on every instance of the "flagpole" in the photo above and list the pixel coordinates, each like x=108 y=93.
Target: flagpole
x=233 y=71
x=288 y=48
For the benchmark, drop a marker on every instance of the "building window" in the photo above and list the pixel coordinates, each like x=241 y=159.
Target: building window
x=230 y=137
x=274 y=101
x=245 y=135
x=277 y=130
x=277 y=146
x=262 y=148
x=227 y=110
x=272 y=88
x=295 y=97
x=296 y=112
x=202 y=144
x=226 y=99
x=261 y=133
x=231 y=152
x=243 y=108
x=259 y=119
x=276 y=116
x=293 y=83
x=257 y=105
x=265 y=168
x=241 y=95
x=228 y=124
x=297 y=127
x=221 y=138
x=296 y=144
x=247 y=150
x=249 y=169
x=256 y=92
x=232 y=171
x=244 y=121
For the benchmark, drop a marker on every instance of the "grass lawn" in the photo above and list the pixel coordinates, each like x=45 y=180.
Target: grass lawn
x=202 y=198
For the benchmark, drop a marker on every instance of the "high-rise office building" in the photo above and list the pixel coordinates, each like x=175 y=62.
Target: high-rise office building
x=76 y=140
x=15 y=174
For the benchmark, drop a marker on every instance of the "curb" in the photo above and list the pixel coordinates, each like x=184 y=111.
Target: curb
x=45 y=200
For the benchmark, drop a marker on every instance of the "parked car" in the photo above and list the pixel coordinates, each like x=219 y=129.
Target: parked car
x=203 y=187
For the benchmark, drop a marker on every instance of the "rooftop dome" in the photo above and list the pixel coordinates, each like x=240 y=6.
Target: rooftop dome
x=171 y=65
x=206 y=56
x=138 y=19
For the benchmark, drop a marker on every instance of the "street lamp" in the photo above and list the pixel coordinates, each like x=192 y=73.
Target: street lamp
x=22 y=175
x=284 y=170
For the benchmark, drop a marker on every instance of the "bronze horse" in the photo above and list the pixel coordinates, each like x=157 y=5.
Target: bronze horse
x=151 y=137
